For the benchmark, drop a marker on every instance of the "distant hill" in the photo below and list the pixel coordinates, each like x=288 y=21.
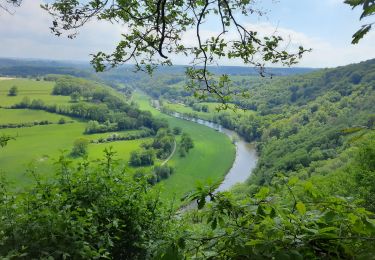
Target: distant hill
x=35 y=67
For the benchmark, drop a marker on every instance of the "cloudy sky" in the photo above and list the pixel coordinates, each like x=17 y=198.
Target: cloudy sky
x=326 y=26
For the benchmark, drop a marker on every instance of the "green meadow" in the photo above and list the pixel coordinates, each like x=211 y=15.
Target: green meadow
x=29 y=88
x=14 y=116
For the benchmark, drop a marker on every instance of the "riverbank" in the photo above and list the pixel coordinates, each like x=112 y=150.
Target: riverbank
x=210 y=159
x=246 y=156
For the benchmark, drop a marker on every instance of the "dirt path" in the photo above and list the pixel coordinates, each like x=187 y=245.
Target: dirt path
x=172 y=153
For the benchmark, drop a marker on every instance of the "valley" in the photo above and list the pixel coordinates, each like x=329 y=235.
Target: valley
x=38 y=147
x=295 y=155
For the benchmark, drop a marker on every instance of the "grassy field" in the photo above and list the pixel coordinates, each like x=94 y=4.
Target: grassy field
x=211 y=157
x=8 y=116
x=29 y=88
x=41 y=145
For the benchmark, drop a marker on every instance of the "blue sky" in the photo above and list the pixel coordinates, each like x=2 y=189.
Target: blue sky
x=324 y=25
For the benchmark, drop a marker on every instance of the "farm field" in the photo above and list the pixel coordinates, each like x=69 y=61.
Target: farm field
x=13 y=116
x=29 y=88
x=210 y=159
x=41 y=146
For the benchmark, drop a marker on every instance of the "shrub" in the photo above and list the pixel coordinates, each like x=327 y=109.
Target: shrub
x=13 y=91
x=79 y=147
x=62 y=121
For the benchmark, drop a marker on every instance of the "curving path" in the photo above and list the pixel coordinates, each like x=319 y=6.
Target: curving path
x=171 y=155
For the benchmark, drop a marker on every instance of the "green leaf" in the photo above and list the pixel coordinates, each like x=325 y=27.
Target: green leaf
x=327 y=230
x=361 y=33
x=368 y=11
x=301 y=208
x=263 y=193
x=292 y=181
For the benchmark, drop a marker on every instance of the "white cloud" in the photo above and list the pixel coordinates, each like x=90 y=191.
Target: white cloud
x=324 y=53
x=26 y=34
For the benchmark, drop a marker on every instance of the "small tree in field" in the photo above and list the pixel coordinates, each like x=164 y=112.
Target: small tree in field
x=13 y=91
x=186 y=144
x=75 y=96
x=79 y=147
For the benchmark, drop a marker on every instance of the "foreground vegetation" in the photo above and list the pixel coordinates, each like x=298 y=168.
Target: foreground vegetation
x=86 y=212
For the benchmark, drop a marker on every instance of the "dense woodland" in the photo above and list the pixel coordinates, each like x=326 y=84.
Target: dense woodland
x=311 y=195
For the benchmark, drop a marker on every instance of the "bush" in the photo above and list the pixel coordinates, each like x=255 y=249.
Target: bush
x=177 y=130
x=13 y=91
x=163 y=172
x=83 y=215
x=142 y=158
x=79 y=147
x=186 y=144
x=62 y=121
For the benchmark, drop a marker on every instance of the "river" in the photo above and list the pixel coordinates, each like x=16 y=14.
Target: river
x=245 y=160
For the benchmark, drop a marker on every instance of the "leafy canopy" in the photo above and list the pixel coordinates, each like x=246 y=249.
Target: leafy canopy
x=155 y=30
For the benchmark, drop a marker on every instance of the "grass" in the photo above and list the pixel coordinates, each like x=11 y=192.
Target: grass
x=9 y=116
x=210 y=159
x=41 y=146
x=29 y=88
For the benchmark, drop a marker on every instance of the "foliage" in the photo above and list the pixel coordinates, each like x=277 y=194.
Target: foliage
x=79 y=147
x=364 y=171
x=290 y=219
x=4 y=139
x=26 y=124
x=75 y=96
x=177 y=130
x=163 y=143
x=122 y=137
x=368 y=7
x=93 y=211
x=161 y=172
x=62 y=121
x=13 y=91
x=156 y=30
x=106 y=111
x=186 y=144
x=142 y=158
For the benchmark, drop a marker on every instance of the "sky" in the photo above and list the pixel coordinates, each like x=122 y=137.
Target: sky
x=326 y=26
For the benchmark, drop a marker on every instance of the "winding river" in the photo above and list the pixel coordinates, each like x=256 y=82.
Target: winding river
x=245 y=160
